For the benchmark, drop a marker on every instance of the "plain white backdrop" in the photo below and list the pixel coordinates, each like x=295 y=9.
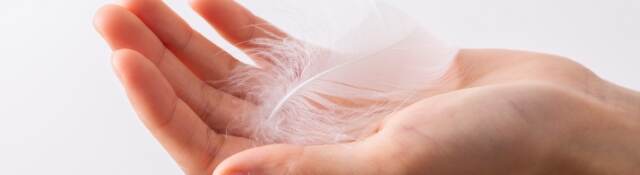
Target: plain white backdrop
x=62 y=110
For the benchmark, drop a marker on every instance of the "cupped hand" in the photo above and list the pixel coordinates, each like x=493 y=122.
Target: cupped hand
x=500 y=111
x=166 y=68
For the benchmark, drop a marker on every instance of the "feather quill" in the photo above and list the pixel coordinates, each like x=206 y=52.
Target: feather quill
x=317 y=95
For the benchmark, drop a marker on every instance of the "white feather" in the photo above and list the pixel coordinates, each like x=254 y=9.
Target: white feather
x=315 y=95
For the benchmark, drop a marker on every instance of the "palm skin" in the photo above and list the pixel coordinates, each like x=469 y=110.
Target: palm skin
x=501 y=112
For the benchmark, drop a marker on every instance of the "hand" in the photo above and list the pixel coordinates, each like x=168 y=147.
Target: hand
x=502 y=112
x=165 y=66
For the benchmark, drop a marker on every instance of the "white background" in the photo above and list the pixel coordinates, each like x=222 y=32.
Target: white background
x=62 y=111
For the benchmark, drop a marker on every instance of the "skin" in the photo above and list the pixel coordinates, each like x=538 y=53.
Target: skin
x=500 y=111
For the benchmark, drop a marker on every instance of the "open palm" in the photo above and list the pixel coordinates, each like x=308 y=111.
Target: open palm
x=498 y=109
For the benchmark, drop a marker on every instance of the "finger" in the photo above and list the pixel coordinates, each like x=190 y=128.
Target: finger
x=195 y=147
x=235 y=23
x=205 y=59
x=344 y=159
x=122 y=29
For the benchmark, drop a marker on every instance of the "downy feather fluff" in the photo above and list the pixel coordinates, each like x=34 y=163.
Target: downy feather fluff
x=317 y=95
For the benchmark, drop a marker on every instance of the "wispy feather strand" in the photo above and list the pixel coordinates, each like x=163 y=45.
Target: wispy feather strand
x=314 y=95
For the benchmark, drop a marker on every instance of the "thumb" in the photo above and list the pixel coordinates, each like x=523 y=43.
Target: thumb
x=352 y=158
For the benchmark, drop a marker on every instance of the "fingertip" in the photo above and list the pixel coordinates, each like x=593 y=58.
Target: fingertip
x=105 y=16
x=195 y=4
x=128 y=3
x=205 y=7
x=116 y=24
x=221 y=11
x=136 y=5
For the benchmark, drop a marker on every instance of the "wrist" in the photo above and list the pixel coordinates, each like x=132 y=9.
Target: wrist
x=602 y=142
